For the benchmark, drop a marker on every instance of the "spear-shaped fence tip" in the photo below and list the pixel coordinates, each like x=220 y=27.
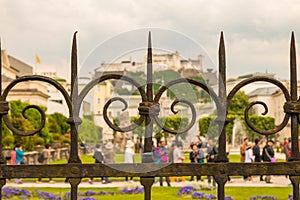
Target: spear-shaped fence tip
x=293 y=51
x=149 y=40
x=222 y=58
x=149 y=56
x=74 y=74
x=221 y=44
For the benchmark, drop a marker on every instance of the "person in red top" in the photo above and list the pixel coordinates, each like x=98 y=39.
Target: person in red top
x=13 y=156
x=285 y=142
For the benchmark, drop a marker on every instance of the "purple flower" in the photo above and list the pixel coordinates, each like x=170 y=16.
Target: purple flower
x=89 y=193
x=198 y=195
x=102 y=193
x=112 y=193
x=88 y=198
x=186 y=190
x=136 y=190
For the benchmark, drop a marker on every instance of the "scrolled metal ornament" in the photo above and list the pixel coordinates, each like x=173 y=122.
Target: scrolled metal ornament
x=41 y=112
x=185 y=129
x=246 y=112
x=103 y=78
x=115 y=127
x=261 y=131
x=159 y=93
x=27 y=133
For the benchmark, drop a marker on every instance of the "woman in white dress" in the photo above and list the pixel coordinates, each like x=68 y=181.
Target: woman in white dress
x=129 y=155
x=249 y=158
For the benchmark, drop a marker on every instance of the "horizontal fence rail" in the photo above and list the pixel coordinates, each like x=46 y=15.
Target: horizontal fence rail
x=149 y=169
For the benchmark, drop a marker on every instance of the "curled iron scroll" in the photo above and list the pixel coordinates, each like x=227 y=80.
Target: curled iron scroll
x=246 y=113
x=32 y=132
x=117 y=128
x=100 y=79
x=191 y=106
x=43 y=116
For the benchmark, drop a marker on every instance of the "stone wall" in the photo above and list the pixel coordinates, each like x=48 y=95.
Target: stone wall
x=31 y=157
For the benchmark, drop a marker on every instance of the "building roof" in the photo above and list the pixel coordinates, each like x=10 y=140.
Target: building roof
x=265 y=91
x=20 y=67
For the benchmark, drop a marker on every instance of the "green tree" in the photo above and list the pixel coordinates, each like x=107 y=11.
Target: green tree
x=236 y=109
x=238 y=103
x=263 y=123
x=58 y=123
x=55 y=123
x=89 y=132
x=172 y=122
x=208 y=127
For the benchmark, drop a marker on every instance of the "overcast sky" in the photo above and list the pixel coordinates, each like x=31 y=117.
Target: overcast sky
x=257 y=33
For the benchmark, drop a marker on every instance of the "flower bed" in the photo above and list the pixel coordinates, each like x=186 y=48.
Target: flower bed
x=259 y=197
x=9 y=193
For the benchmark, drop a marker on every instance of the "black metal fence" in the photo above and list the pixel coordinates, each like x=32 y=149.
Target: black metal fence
x=149 y=110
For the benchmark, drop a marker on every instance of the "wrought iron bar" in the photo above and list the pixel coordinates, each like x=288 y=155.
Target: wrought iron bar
x=145 y=170
x=2 y=159
x=147 y=155
x=294 y=116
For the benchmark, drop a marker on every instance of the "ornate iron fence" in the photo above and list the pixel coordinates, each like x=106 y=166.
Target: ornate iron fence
x=149 y=109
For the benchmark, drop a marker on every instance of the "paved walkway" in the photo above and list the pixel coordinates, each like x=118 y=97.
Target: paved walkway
x=278 y=181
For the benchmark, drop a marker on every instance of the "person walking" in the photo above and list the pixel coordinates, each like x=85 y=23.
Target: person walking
x=171 y=154
x=99 y=158
x=256 y=153
x=249 y=158
x=178 y=157
x=212 y=153
x=177 y=154
x=288 y=150
x=19 y=158
x=12 y=159
x=268 y=156
x=161 y=155
x=13 y=156
x=109 y=155
x=243 y=148
x=195 y=158
x=129 y=156
x=45 y=155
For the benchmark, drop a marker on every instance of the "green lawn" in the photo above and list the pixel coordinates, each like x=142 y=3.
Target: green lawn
x=161 y=193
x=119 y=158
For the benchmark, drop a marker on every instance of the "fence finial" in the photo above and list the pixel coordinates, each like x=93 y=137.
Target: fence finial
x=74 y=74
x=149 y=69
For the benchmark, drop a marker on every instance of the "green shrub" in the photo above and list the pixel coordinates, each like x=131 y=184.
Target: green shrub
x=8 y=141
x=66 y=141
x=38 y=140
x=56 y=137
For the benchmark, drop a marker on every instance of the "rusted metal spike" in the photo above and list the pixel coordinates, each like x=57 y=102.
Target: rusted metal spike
x=293 y=90
x=223 y=100
x=293 y=68
x=149 y=70
x=74 y=90
x=149 y=42
x=222 y=58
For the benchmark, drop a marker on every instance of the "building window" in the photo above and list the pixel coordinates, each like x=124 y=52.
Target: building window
x=98 y=101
